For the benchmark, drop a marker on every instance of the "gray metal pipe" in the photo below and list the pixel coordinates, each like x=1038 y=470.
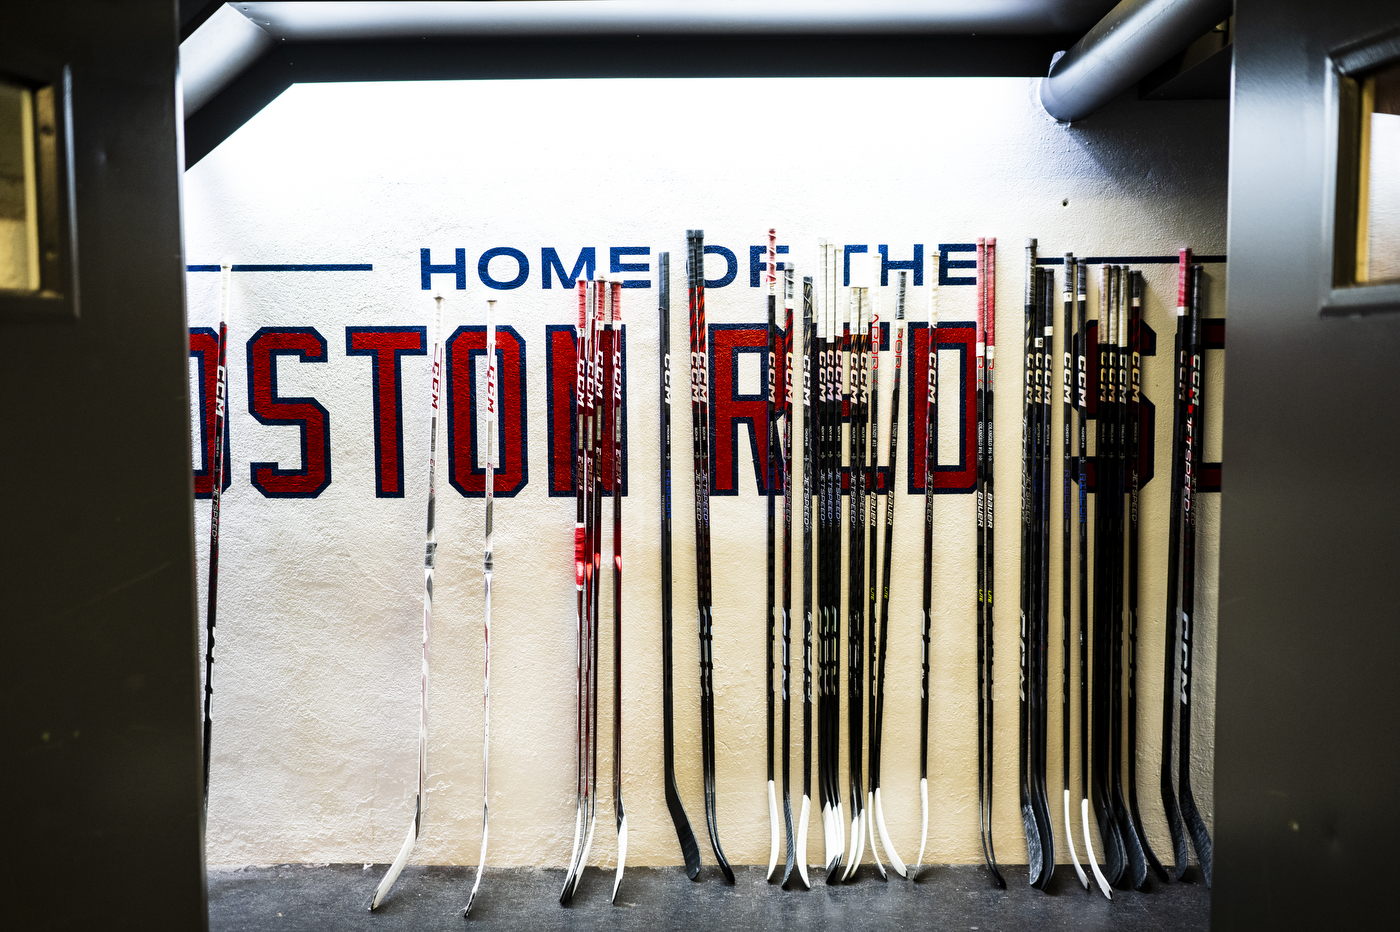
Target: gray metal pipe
x=311 y=21
x=1134 y=38
x=240 y=33
x=216 y=53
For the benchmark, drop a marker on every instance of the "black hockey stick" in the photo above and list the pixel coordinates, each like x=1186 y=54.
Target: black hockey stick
x=1170 y=700
x=700 y=426
x=1134 y=481
x=1082 y=380
x=837 y=345
x=1029 y=536
x=986 y=351
x=1067 y=376
x=216 y=475
x=855 y=599
x=822 y=439
x=770 y=434
x=1136 y=873
x=791 y=842
x=871 y=535
x=1103 y=567
x=690 y=851
x=1194 y=432
x=808 y=463
x=877 y=731
x=930 y=464
x=1041 y=650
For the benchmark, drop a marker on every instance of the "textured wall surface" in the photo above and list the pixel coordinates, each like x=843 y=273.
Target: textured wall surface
x=317 y=674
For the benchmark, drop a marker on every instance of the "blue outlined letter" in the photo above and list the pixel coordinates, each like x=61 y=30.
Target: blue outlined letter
x=944 y=264
x=616 y=265
x=483 y=270
x=458 y=267
x=549 y=264
x=916 y=264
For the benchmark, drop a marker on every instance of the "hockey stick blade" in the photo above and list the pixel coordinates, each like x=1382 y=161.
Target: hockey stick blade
x=895 y=860
x=801 y=853
x=395 y=868
x=621 y=855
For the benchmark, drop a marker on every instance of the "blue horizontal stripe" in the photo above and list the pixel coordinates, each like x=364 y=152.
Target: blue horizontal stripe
x=298 y=267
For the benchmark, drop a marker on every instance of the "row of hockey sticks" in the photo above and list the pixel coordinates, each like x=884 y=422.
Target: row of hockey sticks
x=429 y=559
x=216 y=469
x=1127 y=853
x=833 y=368
x=598 y=404
x=1117 y=425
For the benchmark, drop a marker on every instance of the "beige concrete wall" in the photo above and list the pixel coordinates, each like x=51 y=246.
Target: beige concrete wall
x=316 y=685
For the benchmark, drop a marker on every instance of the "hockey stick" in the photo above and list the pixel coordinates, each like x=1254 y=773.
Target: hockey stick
x=808 y=439
x=216 y=474
x=989 y=516
x=930 y=463
x=600 y=481
x=823 y=582
x=1136 y=874
x=871 y=533
x=593 y=568
x=770 y=435
x=487 y=564
x=700 y=421
x=877 y=734
x=1193 y=433
x=429 y=557
x=1134 y=453
x=825 y=349
x=1170 y=805
x=1066 y=554
x=615 y=415
x=1029 y=492
x=1082 y=368
x=580 y=549
x=1039 y=799
x=690 y=851
x=855 y=595
x=1103 y=567
x=791 y=842
x=985 y=314
x=838 y=351
x=583 y=356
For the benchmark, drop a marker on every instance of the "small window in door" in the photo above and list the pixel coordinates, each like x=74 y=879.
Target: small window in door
x=1378 y=178
x=19 y=194
x=37 y=251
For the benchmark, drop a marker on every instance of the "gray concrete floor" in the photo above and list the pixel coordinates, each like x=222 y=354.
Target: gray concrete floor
x=334 y=896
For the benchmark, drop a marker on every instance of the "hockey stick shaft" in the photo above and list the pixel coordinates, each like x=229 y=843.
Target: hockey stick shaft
x=1194 y=432
x=488 y=568
x=216 y=489
x=429 y=560
x=685 y=835
x=1170 y=804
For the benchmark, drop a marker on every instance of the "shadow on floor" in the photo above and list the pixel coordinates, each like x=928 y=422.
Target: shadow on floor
x=334 y=896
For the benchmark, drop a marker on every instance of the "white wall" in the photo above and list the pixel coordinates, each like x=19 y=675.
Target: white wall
x=316 y=683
